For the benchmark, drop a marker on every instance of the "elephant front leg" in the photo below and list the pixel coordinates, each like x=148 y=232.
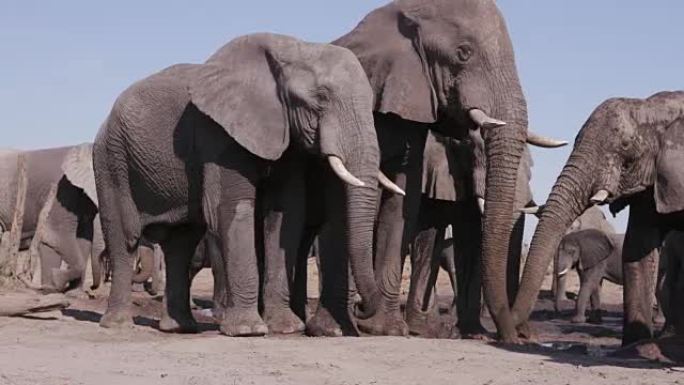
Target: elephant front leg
x=422 y=312
x=640 y=251
x=468 y=244
x=178 y=249
x=236 y=226
x=281 y=248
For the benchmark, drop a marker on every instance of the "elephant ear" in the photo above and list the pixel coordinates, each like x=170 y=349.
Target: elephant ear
x=669 y=179
x=385 y=43
x=78 y=169
x=445 y=168
x=237 y=88
x=595 y=246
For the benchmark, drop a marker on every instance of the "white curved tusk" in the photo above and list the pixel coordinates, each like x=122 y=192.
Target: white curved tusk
x=534 y=210
x=600 y=197
x=338 y=167
x=483 y=120
x=389 y=185
x=544 y=142
x=565 y=271
x=481 y=204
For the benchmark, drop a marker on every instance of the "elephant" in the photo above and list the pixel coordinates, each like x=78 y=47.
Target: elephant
x=628 y=153
x=184 y=151
x=596 y=255
x=592 y=218
x=451 y=184
x=59 y=210
x=428 y=62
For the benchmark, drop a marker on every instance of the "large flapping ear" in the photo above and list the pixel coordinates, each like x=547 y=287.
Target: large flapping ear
x=78 y=169
x=237 y=88
x=669 y=181
x=386 y=43
x=595 y=247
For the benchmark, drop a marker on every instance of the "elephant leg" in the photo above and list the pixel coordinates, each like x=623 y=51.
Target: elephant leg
x=396 y=222
x=50 y=261
x=468 y=241
x=560 y=291
x=422 y=312
x=284 y=219
x=595 y=300
x=514 y=255
x=643 y=239
x=299 y=296
x=179 y=247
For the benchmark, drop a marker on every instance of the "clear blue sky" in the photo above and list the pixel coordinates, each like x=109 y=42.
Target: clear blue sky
x=64 y=62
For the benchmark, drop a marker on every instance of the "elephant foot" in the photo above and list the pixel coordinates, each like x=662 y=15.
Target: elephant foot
x=669 y=351
x=325 y=324
x=242 y=323
x=384 y=323
x=116 y=319
x=595 y=318
x=283 y=321
x=60 y=279
x=473 y=331
x=78 y=294
x=578 y=319
x=423 y=324
x=183 y=325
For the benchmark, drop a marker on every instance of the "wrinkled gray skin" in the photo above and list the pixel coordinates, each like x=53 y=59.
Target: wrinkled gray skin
x=427 y=61
x=633 y=149
x=596 y=256
x=592 y=218
x=453 y=178
x=184 y=151
x=671 y=291
x=68 y=232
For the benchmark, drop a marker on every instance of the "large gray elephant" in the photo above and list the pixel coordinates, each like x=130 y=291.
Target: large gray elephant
x=596 y=255
x=184 y=151
x=428 y=61
x=59 y=210
x=628 y=153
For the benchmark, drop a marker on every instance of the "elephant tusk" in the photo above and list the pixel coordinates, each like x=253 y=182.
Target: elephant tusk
x=534 y=210
x=481 y=205
x=544 y=142
x=386 y=183
x=600 y=197
x=565 y=271
x=483 y=120
x=338 y=167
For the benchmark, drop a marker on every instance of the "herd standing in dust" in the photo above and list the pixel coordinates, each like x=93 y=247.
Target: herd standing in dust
x=377 y=145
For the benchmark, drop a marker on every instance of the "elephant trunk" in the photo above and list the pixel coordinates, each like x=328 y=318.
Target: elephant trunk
x=356 y=145
x=569 y=198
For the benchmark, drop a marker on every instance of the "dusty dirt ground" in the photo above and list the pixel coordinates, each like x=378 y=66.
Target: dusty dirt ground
x=68 y=347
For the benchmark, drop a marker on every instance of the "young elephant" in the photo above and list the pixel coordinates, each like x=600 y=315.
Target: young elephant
x=596 y=255
x=183 y=151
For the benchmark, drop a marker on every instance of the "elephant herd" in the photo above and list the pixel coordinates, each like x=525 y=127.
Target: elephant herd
x=411 y=126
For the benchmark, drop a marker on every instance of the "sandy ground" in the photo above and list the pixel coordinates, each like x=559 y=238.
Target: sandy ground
x=69 y=347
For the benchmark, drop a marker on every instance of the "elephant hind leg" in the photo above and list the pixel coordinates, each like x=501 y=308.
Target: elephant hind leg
x=179 y=247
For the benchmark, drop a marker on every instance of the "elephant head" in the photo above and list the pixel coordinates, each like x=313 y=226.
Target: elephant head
x=627 y=146
x=430 y=60
x=270 y=91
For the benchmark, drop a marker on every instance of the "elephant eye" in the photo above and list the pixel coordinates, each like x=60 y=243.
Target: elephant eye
x=464 y=53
